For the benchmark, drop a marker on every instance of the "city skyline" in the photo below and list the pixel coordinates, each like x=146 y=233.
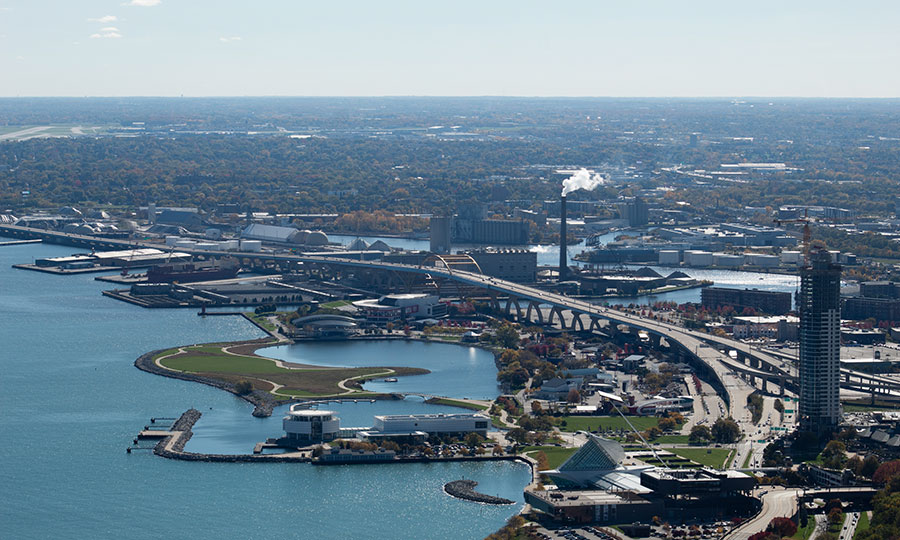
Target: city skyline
x=704 y=49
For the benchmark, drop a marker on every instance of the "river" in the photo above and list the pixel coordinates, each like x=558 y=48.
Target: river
x=72 y=401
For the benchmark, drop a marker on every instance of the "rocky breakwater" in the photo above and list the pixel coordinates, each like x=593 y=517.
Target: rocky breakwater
x=172 y=447
x=465 y=489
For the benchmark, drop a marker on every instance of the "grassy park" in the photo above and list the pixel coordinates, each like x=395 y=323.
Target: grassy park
x=603 y=423
x=285 y=380
x=556 y=455
x=710 y=457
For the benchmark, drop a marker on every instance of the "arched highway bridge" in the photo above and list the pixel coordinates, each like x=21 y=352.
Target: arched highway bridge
x=760 y=366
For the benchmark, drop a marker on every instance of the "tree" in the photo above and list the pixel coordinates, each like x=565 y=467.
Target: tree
x=474 y=439
x=508 y=336
x=700 y=434
x=835 y=516
x=782 y=527
x=517 y=435
x=536 y=408
x=574 y=396
x=886 y=471
x=834 y=455
x=542 y=461
x=869 y=466
x=243 y=387
x=667 y=424
x=725 y=430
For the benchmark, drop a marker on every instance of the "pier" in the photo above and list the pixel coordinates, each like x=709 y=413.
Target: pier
x=20 y=242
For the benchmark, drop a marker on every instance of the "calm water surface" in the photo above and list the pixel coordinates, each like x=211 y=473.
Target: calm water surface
x=456 y=371
x=72 y=401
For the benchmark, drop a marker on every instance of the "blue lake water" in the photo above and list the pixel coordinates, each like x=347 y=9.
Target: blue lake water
x=233 y=430
x=72 y=401
x=456 y=371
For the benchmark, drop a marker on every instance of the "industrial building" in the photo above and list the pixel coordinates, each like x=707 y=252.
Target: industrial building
x=880 y=309
x=775 y=303
x=635 y=212
x=272 y=234
x=820 y=343
x=518 y=265
x=471 y=227
x=779 y=328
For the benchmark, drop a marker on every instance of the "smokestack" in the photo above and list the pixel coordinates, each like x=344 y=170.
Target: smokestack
x=563 y=255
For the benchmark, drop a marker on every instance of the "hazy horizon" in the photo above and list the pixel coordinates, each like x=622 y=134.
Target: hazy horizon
x=658 y=49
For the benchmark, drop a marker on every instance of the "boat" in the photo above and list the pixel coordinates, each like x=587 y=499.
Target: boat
x=190 y=272
x=391 y=379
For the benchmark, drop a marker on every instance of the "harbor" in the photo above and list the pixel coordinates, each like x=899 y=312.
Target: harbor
x=99 y=395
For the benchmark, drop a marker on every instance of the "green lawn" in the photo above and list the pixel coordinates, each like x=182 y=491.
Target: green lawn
x=456 y=403
x=710 y=457
x=803 y=533
x=747 y=460
x=335 y=304
x=593 y=423
x=863 y=524
x=210 y=361
x=556 y=455
x=671 y=439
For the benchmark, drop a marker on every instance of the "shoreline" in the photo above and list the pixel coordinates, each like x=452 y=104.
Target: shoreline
x=264 y=403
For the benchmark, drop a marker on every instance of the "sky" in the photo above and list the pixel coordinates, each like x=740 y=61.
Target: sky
x=626 y=48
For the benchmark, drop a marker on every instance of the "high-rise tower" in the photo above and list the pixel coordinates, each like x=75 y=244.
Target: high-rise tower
x=819 y=304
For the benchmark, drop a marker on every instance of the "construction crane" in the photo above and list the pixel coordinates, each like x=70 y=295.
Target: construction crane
x=807 y=232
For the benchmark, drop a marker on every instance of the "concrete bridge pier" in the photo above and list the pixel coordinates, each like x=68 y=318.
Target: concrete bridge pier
x=576 y=320
x=537 y=309
x=556 y=312
x=513 y=301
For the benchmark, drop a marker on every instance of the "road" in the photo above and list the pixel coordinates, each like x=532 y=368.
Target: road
x=849 y=527
x=776 y=503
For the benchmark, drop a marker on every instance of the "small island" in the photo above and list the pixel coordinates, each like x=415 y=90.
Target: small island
x=465 y=489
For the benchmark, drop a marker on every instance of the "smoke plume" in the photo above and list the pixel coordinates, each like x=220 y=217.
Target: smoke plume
x=583 y=179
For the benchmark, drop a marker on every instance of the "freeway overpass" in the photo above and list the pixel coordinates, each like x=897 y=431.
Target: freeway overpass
x=763 y=367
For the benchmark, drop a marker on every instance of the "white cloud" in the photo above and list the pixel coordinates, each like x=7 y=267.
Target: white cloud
x=107 y=33
x=106 y=19
x=144 y=3
x=229 y=39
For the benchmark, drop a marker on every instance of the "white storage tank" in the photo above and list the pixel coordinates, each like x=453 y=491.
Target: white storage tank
x=229 y=245
x=727 y=260
x=669 y=256
x=210 y=246
x=189 y=244
x=698 y=258
x=791 y=257
x=254 y=246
